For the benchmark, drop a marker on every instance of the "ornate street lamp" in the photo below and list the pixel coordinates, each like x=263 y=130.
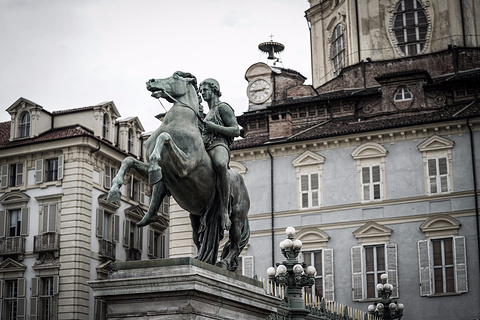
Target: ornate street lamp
x=387 y=309
x=293 y=275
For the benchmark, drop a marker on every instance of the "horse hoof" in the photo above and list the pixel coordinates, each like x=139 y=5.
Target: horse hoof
x=147 y=219
x=222 y=264
x=155 y=175
x=114 y=196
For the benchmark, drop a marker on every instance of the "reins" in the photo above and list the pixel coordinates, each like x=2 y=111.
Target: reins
x=176 y=101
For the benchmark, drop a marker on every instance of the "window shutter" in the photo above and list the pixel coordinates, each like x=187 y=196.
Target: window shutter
x=52 y=218
x=162 y=246
x=328 y=278
x=19 y=177
x=392 y=268
x=142 y=192
x=100 y=217
x=45 y=218
x=460 y=264
x=247 y=266
x=39 y=171
x=61 y=160
x=166 y=205
x=4 y=176
x=108 y=178
x=35 y=282
x=3 y=222
x=25 y=220
x=126 y=232
x=150 y=240
x=2 y=287
x=357 y=273
x=116 y=228
x=140 y=238
x=376 y=174
x=33 y=308
x=56 y=285
x=99 y=309
x=21 y=287
x=21 y=311
x=424 y=267
x=432 y=175
x=315 y=186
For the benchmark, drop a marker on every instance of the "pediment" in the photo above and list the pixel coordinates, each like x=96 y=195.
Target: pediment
x=440 y=225
x=435 y=143
x=258 y=69
x=21 y=104
x=369 y=150
x=134 y=123
x=372 y=232
x=312 y=238
x=10 y=265
x=135 y=212
x=102 y=201
x=108 y=106
x=14 y=198
x=308 y=158
x=238 y=167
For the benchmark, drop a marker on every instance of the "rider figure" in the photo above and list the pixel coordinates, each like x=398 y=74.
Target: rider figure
x=221 y=128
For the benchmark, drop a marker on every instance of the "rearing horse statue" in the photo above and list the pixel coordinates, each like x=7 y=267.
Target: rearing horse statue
x=178 y=165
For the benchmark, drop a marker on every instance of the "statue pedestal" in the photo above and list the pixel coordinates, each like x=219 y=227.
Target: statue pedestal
x=181 y=288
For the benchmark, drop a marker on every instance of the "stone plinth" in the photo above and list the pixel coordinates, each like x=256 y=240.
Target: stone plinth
x=181 y=288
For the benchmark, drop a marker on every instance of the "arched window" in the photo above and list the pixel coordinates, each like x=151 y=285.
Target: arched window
x=130 y=140
x=338 y=49
x=105 y=128
x=403 y=94
x=24 y=125
x=410 y=26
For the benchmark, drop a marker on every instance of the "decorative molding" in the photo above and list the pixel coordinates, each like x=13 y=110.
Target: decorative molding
x=312 y=238
x=369 y=150
x=308 y=158
x=10 y=268
x=435 y=143
x=440 y=225
x=14 y=197
x=102 y=201
x=372 y=232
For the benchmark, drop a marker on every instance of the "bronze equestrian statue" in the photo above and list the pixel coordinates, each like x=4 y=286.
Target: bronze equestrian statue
x=178 y=165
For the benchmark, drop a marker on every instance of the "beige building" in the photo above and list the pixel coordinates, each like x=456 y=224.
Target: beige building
x=56 y=230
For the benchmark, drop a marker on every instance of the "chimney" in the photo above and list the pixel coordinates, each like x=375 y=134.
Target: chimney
x=280 y=125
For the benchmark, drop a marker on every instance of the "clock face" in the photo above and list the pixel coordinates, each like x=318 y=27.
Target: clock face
x=259 y=91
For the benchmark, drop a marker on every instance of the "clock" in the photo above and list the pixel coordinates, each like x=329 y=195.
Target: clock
x=259 y=90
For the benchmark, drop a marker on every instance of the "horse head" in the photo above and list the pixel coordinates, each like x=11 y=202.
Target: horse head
x=173 y=87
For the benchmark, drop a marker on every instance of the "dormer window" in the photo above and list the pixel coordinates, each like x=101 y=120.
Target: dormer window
x=105 y=128
x=130 y=141
x=24 y=125
x=403 y=94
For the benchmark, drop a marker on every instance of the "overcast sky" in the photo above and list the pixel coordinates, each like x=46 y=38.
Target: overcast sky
x=64 y=54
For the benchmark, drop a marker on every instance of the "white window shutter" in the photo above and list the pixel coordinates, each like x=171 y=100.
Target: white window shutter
x=142 y=192
x=424 y=267
x=107 y=177
x=21 y=309
x=116 y=228
x=19 y=177
x=2 y=286
x=392 y=268
x=461 y=280
x=126 y=232
x=35 y=283
x=25 y=221
x=166 y=205
x=4 y=176
x=248 y=266
x=56 y=285
x=61 y=161
x=52 y=220
x=150 y=240
x=21 y=288
x=3 y=223
x=45 y=214
x=33 y=308
x=39 y=171
x=357 y=273
x=140 y=238
x=100 y=217
x=328 y=276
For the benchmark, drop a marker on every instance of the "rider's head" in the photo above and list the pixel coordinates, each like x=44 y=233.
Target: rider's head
x=214 y=86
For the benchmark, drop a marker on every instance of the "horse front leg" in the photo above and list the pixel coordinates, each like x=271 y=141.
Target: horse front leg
x=180 y=163
x=114 y=194
x=159 y=192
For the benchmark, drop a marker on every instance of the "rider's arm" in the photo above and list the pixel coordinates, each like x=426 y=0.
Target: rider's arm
x=231 y=128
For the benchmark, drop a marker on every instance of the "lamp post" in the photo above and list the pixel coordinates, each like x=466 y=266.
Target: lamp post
x=387 y=309
x=293 y=275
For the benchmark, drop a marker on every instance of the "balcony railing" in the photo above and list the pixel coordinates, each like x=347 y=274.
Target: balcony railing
x=12 y=245
x=133 y=254
x=107 y=249
x=48 y=242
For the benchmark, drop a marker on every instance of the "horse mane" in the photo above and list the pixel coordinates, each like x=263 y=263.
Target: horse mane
x=193 y=80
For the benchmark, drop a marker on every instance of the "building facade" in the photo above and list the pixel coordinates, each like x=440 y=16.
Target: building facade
x=57 y=232
x=376 y=164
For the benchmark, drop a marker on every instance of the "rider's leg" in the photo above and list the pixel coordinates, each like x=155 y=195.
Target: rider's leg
x=158 y=193
x=220 y=159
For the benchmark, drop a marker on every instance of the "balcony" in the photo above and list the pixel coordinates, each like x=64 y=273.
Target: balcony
x=107 y=249
x=47 y=243
x=133 y=254
x=12 y=246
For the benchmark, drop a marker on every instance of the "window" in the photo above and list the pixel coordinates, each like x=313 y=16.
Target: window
x=442 y=257
x=132 y=240
x=49 y=219
x=137 y=190
x=13 y=299
x=49 y=170
x=245 y=266
x=130 y=141
x=309 y=169
x=410 y=26
x=371 y=183
x=374 y=268
x=110 y=173
x=403 y=94
x=338 y=49
x=108 y=225
x=43 y=301
x=322 y=260
x=156 y=244
x=438 y=181
x=105 y=127
x=437 y=160
x=12 y=175
x=24 y=125
x=14 y=222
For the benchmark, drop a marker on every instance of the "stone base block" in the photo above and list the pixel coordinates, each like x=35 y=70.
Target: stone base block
x=181 y=288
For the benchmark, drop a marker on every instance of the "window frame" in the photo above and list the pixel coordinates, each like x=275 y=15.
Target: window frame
x=338 y=48
x=11 y=176
x=403 y=91
x=41 y=169
x=24 y=125
x=308 y=164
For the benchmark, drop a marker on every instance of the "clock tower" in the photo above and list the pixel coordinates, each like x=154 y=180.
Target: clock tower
x=268 y=84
